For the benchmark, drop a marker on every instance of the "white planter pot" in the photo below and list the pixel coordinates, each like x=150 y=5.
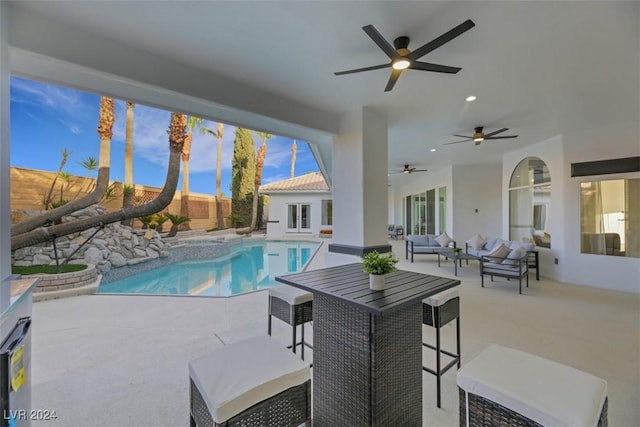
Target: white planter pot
x=376 y=282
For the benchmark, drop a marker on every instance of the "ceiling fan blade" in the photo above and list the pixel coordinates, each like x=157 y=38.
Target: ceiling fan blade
x=425 y=66
x=487 y=135
x=393 y=79
x=419 y=170
x=380 y=41
x=437 y=42
x=463 y=136
x=501 y=137
x=457 y=142
x=359 y=70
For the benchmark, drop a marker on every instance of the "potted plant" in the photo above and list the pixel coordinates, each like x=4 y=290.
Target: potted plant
x=377 y=265
x=457 y=250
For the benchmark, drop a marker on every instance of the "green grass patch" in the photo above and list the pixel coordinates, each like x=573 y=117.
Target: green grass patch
x=25 y=270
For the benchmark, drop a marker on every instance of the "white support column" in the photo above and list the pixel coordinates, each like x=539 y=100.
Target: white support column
x=5 y=201
x=360 y=184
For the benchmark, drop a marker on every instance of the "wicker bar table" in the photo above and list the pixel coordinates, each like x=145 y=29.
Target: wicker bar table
x=367 y=345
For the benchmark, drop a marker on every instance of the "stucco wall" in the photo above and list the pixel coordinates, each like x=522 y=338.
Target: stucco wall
x=606 y=142
x=277 y=212
x=477 y=187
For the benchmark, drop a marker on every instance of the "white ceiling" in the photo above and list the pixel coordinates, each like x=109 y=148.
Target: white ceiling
x=537 y=68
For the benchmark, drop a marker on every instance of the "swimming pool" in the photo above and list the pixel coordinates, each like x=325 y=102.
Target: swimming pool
x=250 y=266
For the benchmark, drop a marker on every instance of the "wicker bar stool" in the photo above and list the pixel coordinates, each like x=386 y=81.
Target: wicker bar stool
x=294 y=307
x=437 y=311
x=255 y=382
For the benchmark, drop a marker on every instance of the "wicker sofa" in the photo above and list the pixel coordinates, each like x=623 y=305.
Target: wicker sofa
x=429 y=244
x=481 y=246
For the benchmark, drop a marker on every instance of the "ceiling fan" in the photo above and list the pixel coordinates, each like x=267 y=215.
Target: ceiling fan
x=409 y=170
x=402 y=58
x=480 y=136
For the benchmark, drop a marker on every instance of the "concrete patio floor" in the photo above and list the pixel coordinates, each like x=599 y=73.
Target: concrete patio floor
x=103 y=360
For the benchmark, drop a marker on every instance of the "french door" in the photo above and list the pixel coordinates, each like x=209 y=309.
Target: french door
x=298 y=218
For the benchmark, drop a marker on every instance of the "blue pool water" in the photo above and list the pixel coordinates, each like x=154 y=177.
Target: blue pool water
x=251 y=266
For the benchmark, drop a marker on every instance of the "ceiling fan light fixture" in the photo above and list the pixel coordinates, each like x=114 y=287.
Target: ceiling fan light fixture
x=470 y=98
x=401 y=64
x=478 y=135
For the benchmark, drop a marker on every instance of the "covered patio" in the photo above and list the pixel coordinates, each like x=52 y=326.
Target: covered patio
x=541 y=68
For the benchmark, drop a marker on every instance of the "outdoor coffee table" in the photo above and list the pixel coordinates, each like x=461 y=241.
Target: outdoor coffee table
x=367 y=345
x=457 y=257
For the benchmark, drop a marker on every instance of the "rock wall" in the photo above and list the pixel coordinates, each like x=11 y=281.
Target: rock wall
x=113 y=246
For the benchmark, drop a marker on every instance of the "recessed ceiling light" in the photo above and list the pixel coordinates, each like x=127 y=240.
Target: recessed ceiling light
x=470 y=98
x=432 y=150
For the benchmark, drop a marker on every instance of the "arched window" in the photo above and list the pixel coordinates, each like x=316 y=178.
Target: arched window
x=529 y=201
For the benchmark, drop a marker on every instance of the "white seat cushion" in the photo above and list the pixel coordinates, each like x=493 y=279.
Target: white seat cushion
x=439 y=299
x=240 y=375
x=544 y=391
x=293 y=296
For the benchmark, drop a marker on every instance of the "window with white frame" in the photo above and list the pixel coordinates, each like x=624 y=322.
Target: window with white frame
x=529 y=201
x=327 y=212
x=610 y=217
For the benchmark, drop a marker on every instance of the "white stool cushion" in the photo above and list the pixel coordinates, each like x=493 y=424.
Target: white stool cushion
x=439 y=299
x=240 y=375
x=293 y=296
x=544 y=391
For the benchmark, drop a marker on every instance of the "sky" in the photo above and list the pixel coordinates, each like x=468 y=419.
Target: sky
x=46 y=119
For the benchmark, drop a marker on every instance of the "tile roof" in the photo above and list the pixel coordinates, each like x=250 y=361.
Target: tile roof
x=313 y=182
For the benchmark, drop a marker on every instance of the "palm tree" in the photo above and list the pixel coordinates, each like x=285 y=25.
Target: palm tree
x=294 y=149
x=192 y=123
x=177 y=136
x=46 y=203
x=90 y=164
x=128 y=192
x=105 y=132
x=218 y=133
x=176 y=222
x=260 y=156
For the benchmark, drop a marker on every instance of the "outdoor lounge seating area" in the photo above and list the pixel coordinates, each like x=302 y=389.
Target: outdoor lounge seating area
x=170 y=332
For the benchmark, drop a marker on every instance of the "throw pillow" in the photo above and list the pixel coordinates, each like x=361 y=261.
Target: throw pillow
x=477 y=242
x=491 y=243
x=500 y=252
x=444 y=239
x=514 y=257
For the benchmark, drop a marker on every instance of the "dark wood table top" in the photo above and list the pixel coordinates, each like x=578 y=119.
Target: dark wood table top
x=457 y=255
x=349 y=284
